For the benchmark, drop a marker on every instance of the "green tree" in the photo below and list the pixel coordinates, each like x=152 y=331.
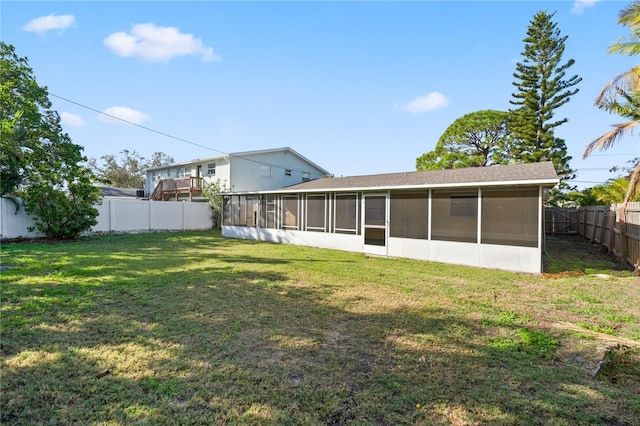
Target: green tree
x=159 y=159
x=613 y=191
x=39 y=161
x=128 y=169
x=585 y=197
x=542 y=88
x=214 y=191
x=23 y=101
x=621 y=96
x=473 y=140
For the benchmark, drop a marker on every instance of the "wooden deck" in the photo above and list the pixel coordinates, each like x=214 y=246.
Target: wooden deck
x=171 y=189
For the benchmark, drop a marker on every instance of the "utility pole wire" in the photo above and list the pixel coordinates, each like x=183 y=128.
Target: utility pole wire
x=174 y=137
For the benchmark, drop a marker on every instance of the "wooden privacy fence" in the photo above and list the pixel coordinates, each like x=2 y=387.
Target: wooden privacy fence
x=615 y=227
x=561 y=221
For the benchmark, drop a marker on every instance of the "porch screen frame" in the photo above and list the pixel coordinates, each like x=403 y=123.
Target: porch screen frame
x=290 y=207
x=346 y=211
x=408 y=209
x=269 y=211
x=375 y=219
x=454 y=215
x=227 y=214
x=511 y=212
x=313 y=212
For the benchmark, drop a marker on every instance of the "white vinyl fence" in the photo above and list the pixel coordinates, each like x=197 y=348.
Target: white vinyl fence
x=120 y=216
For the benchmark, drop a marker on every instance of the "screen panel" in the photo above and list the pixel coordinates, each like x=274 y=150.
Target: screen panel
x=346 y=213
x=454 y=216
x=316 y=212
x=409 y=216
x=510 y=217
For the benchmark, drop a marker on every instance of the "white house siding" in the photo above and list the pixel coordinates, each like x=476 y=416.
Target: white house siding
x=248 y=174
x=244 y=171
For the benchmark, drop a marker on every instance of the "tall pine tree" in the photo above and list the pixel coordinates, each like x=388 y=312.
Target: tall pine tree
x=542 y=87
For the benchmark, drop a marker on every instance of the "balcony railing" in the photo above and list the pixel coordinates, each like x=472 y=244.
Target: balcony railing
x=166 y=189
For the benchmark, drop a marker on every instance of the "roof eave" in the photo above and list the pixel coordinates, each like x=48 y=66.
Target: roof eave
x=534 y=182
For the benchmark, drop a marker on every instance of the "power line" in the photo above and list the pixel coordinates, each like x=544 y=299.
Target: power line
x=175 y=137
x=614 y=155
x=138 y=125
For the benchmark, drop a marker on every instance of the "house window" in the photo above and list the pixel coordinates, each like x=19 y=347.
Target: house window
x=316 y=212
x=306 y=177
x=183 y=171
x=346 y=214
x=454 y=216
x=211 y=169
x=510 y=217
x=409 y=215
x=265 y=171
x=287 y=172
x=463 y=205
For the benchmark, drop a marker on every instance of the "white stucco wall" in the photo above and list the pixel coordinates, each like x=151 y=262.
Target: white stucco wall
x=508 y=258
x=342 y=242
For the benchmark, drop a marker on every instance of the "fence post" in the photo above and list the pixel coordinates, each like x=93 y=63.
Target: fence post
x=612 y=225
x=623 y=233
x=580 y=218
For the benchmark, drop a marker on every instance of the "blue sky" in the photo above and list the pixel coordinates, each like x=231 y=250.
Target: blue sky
x=357 y=87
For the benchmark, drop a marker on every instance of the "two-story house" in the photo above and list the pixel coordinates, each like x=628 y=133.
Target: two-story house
x=241 y=171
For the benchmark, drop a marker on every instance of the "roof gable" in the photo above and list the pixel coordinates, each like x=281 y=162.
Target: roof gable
x=240 y=155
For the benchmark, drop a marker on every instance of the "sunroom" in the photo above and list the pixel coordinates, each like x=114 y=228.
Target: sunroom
x=489 y=217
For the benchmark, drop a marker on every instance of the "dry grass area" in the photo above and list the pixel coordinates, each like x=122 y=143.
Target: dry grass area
x=191 y=328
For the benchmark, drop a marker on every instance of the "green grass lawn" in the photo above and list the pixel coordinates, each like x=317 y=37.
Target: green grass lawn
x=191 y=328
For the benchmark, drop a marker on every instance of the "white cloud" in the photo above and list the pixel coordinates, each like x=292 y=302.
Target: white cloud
x=43 y=24
x=71 y=120
x=428 y=102
x=580 y=5
x=123 y=113
x=154 y=43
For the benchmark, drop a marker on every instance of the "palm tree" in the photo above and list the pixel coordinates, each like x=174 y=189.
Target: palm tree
x=583 y=198
x=622 y=95
x=612 y=191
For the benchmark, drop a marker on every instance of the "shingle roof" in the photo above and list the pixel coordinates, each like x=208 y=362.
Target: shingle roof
x=542 y=173
x=110 y=191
